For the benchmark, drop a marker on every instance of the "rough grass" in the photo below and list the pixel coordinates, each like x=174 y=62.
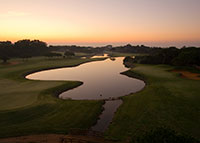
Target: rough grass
x=30 y=107
x=167 y=100
x=119 y=54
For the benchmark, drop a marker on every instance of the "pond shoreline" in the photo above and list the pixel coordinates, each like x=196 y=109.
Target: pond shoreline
x=58 y=67
x=119 y=100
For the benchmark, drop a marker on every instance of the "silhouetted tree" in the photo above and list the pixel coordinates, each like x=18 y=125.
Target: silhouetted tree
x=51 y=55
x=75 y=48
x=168 y=54
x=172 y=56
x=6 y=51
x=134 y=49
x=188 y=57
x=69 y=54
x=128 y=61
x=27 y=48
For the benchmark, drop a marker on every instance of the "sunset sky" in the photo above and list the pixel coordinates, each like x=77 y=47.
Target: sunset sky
x=101 y=22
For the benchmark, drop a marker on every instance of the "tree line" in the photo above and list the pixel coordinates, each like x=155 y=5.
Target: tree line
x=80 y=49
x=22 y=49
x=186 y=56
x=26 y=49
x=135 y=49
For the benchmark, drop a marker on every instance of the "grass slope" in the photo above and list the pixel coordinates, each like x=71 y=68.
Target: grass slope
x=119 y=54
x=30 y=107
x=167 y=100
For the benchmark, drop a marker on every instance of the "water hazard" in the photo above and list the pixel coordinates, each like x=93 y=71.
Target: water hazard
x=105 y=118
x=101 y=81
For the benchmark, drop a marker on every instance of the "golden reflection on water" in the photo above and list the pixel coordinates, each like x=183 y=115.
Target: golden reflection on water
x=102 y=80
x=100 y=56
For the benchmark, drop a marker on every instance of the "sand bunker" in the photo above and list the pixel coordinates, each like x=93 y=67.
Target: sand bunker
x=187 y=74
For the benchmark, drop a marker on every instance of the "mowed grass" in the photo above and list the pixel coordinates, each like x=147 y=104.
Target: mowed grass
x=119 y=54
x=167 y=101
x=31 y=107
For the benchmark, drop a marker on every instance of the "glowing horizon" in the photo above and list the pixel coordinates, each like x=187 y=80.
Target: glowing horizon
x=90 y=22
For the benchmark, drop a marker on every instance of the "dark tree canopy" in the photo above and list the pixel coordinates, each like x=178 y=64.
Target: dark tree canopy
x=181 y=57
x=22 y=49
x=69 y=54
x=187 y=56
x=134 y=49
x=128 y=61
x=51 y=55
x=6 y=51
x=74 y=48
x=28 y=48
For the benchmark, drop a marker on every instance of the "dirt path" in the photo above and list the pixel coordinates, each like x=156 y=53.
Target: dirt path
x=54 y=138
x=187 y=74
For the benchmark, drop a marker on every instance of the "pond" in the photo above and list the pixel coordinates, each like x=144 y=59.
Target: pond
x=101 y=81
x=100 y=56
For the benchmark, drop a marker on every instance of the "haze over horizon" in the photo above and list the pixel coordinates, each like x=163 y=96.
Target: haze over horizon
x=102 y=22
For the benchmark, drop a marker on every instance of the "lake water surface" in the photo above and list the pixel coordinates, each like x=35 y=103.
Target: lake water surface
x=101 y=80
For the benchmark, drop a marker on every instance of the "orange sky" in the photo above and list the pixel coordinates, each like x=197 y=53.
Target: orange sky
x=90 y=22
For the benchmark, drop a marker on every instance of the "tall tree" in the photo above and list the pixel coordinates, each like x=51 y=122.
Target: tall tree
x=6 y=51
x=27 y=48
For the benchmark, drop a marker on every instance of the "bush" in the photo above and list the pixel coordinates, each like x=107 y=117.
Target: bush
x=172 y=56
x=51 y=55
x=128 y=61
x=163 y=135
x=69 y=54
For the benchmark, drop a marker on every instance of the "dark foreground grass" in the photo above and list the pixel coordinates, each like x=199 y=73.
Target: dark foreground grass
x=31 y=107
x=168 y=100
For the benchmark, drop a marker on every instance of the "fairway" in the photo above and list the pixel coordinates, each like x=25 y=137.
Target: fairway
x=122 y=71
x=31 y=107
x=168 y=100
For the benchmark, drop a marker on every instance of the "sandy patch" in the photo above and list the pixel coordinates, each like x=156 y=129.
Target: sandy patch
x=51 y=138
x=10 y=63
x=54 y=138
x=14 y=63
x=187 y=74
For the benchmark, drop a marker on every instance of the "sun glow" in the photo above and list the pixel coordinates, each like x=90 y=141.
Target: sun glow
x=100 y=22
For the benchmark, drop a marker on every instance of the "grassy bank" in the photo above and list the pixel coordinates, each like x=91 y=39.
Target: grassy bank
x=167 y=100
x=119 y=54
x=30 y=107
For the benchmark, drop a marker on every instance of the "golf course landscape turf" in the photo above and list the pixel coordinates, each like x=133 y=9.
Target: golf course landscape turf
x=168 y=101
x=31 y=107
